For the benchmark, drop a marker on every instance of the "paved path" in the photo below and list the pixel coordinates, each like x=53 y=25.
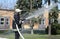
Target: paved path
x=3 y=38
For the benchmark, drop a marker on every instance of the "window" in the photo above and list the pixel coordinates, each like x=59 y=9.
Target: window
x=2 y=22
x=43 y=21
x=7 y=21
x=39 y=21
x=2 y=19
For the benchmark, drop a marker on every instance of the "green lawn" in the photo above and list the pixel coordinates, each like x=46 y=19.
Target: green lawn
x=29 y=36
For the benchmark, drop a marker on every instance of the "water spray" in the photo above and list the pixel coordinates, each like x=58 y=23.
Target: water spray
x=40 y=11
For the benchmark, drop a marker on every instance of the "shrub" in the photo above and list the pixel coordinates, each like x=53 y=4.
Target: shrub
x=55 y=29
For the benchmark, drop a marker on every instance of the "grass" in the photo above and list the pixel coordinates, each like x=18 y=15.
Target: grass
x=35 y=36
x=26 y=36
x=30 y=36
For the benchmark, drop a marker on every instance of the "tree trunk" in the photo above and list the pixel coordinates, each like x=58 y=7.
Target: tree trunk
x=31 y=31
x=31 y=25
x=30 y=5
x=49 y=30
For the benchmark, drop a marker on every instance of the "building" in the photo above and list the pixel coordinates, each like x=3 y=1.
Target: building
x=44 y=21
x=6 y=17
x=59 y=17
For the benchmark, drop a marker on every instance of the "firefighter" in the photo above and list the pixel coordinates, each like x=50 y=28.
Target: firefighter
x=17 y=21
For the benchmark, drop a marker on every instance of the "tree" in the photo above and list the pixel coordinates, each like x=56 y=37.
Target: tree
x=31 y=25
x=53 y=15
x=28 y=4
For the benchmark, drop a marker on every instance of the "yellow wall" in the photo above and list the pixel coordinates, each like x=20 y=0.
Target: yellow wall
x=59 y=15
x=46 y=16
x=9 y=14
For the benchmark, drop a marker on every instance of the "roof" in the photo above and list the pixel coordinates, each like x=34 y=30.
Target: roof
x=7 y=9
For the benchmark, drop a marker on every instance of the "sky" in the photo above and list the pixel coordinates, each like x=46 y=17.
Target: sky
x=59 y=5
x=9 y=4
x=43 y=1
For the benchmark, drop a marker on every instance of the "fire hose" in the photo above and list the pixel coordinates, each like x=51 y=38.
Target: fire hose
x=19 y=32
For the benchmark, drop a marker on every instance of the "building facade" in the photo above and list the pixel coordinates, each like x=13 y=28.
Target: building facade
x=6 y=17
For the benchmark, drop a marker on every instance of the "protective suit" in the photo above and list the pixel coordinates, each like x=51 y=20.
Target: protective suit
x=18 y=22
